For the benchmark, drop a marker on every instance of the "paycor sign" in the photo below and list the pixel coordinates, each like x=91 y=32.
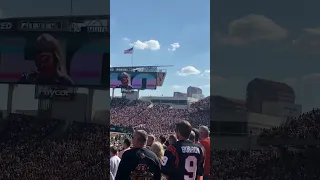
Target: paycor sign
x=49 y=92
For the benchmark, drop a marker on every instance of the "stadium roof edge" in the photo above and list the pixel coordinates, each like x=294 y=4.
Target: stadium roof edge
x=140 y=66
x=57 y=17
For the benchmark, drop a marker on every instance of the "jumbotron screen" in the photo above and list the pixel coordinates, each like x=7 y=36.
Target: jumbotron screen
x=43 y=60
x=133 y=80
x=52 y=53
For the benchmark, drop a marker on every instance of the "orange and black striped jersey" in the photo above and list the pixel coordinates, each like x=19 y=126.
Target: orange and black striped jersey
x=184 y=160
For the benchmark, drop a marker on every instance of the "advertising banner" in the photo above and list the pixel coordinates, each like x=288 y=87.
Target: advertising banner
x=55 y=93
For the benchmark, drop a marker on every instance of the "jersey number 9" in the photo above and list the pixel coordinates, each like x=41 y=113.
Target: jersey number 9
x=191 y=167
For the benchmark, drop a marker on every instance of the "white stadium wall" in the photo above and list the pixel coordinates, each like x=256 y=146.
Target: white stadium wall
x=281 y=109
x=265 y=121
x=230 y=116
x=134 y=95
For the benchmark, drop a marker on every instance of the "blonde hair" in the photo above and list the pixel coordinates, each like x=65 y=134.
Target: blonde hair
x=158 y=149
x=46 y=42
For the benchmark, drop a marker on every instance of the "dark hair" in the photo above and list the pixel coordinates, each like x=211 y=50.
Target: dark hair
x=127 y=142
x=167 y=143
x=172 y=137
x=162 y=139
x=197 y=134
x=192 y=136
x=113 y=150
x=184 y=129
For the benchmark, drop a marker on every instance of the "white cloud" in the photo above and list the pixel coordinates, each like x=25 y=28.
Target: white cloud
x=205 y=86
x=206 y=73
x=308 y=41
x=188 y=70
x=176 y=87
x=174 y=47
x=126 y=39
x=252 y=28
x=147 y=45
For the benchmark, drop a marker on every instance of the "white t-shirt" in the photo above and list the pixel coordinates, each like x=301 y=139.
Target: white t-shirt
x=114 y=164
x=111 y=176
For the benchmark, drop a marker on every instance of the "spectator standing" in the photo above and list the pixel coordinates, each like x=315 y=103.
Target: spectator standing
x=184 y=159
x=114 y=161
x=150 y=141
x=126 y=146
x=205 y=141
x=139 y=162
x=163 y=141
x=172 y=139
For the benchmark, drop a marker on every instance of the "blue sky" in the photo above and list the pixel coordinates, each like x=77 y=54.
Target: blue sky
x=152 y=26
x=184 y=22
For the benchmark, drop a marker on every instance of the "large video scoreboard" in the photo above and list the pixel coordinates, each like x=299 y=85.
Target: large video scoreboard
x=88 y=25
x=146 y=77
x=75 y=46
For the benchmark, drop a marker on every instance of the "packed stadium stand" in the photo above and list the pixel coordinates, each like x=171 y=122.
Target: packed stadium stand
x=290 y=151
x=157 y=119
x=33 y=148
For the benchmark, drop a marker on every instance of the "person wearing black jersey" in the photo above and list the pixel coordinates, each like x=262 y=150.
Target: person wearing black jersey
x=139 y=163
x=183 y=160
x=196 y=140
x=192 y=136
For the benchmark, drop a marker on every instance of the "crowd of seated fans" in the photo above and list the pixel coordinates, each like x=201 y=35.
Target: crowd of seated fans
x=29 y=152
x=272 y=163
x=158 y=119
x=306 y=126
x=231 y=164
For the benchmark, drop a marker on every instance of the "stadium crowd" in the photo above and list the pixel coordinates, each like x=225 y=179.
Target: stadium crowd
x=30 y=150
x=125 y=161
x=276 y=163
x=158 y=119
x=231 y=164
x=306 y=126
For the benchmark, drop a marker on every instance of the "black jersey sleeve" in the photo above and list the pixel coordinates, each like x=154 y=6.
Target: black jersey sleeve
x=200 y=169
x=169 y=161
x=124 y=168
x=157 y=174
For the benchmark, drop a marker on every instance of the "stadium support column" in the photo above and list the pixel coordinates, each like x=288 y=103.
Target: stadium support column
x=63 y=44
x=113 y=92
x=10 y=98
x=89 y=105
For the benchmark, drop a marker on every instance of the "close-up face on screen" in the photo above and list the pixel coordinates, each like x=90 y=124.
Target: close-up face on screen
x=51 y=60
